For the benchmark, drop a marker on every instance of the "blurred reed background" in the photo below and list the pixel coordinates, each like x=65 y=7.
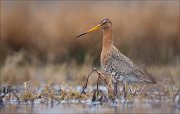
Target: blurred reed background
x=38 y=38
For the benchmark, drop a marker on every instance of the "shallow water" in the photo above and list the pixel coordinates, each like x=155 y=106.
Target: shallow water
x=89 y=107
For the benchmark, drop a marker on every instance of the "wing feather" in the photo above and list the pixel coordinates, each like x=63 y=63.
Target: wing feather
x=124 y=66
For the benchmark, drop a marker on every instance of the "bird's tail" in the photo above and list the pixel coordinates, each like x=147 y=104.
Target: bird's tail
x=151 y=79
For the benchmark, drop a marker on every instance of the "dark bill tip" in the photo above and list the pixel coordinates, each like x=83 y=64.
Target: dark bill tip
x=81 y=34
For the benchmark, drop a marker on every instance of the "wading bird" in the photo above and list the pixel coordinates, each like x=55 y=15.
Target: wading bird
x=116 y=64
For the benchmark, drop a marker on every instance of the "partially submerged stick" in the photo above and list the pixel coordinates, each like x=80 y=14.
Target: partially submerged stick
x=107 y=83
x=85 y=84
x=100 y=76
x=178 y=92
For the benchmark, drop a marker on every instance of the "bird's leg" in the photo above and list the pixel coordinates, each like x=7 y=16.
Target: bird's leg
x=124 y=90
x=98 y=83
x=108 y=80
x=96 y=92
x=115 y=87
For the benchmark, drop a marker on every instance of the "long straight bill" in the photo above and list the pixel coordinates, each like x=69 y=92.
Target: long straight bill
x=93 y=29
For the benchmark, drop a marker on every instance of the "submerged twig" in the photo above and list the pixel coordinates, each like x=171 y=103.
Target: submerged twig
x=15 y=95
x=100 y=76
x=177 y=93
x=85 y=84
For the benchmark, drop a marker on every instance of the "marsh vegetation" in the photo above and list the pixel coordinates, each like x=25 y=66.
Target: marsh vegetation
x=43 y=66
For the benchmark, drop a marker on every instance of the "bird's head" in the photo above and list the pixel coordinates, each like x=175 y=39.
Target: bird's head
x=104 y=24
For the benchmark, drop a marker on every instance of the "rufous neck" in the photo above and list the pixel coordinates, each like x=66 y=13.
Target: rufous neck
x=107 y=37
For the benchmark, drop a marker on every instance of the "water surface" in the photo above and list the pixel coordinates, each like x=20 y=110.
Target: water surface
x=88 y=107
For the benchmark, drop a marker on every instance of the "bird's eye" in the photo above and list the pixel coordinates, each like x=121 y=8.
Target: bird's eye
x=104 y=22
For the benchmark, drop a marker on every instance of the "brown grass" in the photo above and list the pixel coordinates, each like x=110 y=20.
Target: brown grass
x=147 y=32
x=38 y=38
x=17 y=70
